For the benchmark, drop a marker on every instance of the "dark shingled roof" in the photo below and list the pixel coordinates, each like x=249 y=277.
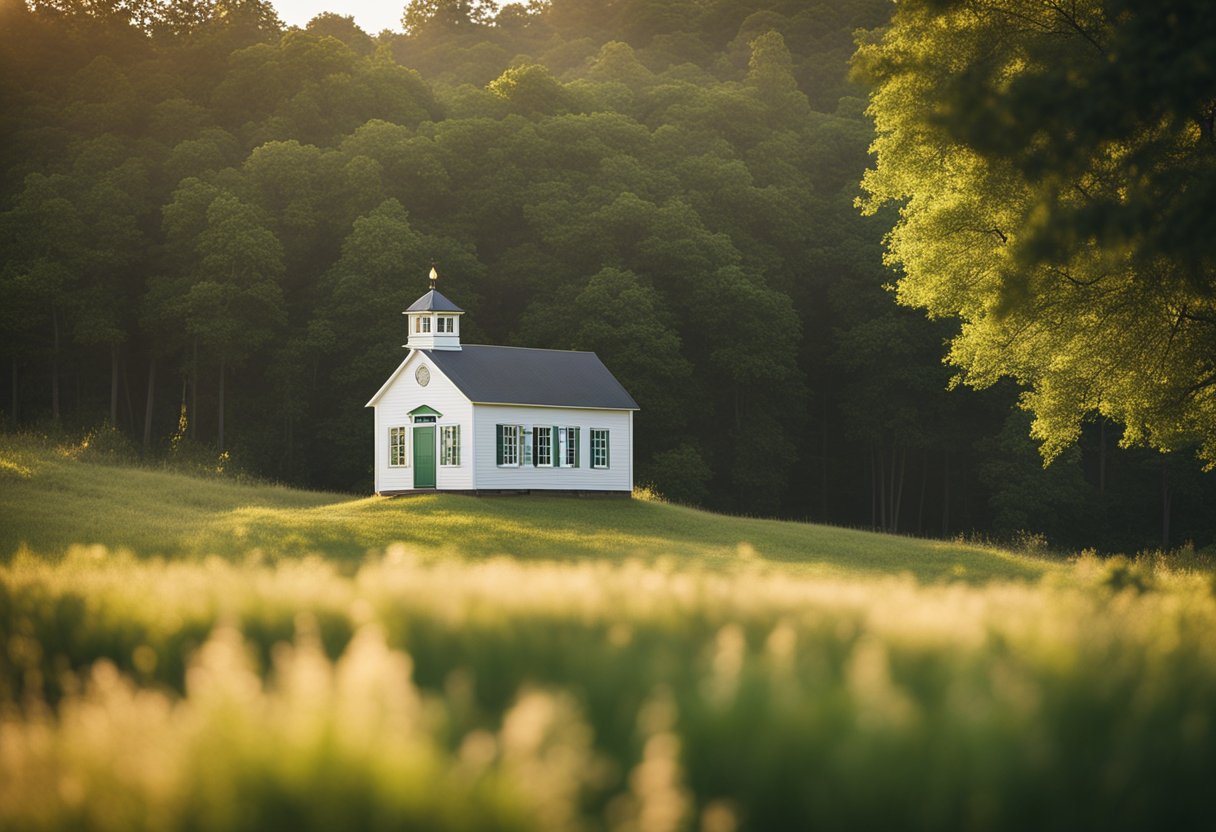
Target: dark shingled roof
x=432 y=301
x=517 y=375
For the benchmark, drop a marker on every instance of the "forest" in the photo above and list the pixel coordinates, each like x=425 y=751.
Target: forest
x=211 y=222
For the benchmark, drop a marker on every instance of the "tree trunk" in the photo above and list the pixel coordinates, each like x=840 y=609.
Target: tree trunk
x=924 y=485
x=882 y=488
x=946 y=494
x=14 y=413
x=1165 y=506
x=114 y=385
x=823 y=463
x=873 y=491
x=897 y=492
x=126 y=395
x=148 y=404
x=192 y=418
x=55 y=367
x=893 y=489
x=221 y=419
x=182 y=411
x=1102 y=456
x=965 y=508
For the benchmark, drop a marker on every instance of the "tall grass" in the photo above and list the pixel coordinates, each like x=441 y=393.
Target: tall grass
x=250 y=657
x=427 y=691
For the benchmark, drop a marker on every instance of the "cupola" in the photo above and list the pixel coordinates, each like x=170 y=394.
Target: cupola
x=433 y=320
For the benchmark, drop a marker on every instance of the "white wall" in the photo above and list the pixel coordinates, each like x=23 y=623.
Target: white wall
x=392 y=410
x=617 y=477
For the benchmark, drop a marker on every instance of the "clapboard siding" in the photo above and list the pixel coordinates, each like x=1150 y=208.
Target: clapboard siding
x=392 y=410
x=617 y=477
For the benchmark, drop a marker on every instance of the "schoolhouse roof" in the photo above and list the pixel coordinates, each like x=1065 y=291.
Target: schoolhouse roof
x=433 y=301
x=518 y=375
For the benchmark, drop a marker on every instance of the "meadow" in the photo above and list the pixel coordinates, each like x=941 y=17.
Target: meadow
x=181 y=652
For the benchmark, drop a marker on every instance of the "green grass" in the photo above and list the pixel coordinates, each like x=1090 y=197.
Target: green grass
x=49 y=500
x=236 y=657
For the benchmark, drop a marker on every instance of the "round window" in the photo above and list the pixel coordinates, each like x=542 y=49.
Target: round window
x=423 y=375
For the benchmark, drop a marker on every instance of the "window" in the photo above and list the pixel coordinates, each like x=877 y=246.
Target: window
x=426 y=324
x=599 y=448
x=449 y=445
x=568 y=447
x=424 y=420
x=508 y=444
x=396 y=446
x=446 y=324
x=544 y=446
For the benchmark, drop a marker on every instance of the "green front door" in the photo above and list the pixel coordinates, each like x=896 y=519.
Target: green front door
x=424 y=457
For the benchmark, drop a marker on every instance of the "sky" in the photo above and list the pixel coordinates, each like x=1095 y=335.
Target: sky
x=371 y=15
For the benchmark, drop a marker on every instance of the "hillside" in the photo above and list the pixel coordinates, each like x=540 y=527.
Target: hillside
x=311 y=661
x=51 y=499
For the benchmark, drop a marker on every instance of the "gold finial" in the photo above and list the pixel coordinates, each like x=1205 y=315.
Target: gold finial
x=434 y=276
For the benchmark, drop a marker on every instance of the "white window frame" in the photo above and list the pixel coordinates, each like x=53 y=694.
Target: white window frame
x=511 y=445
x=539 y=431
x=447 y=324
x=402 y=434
x=426 y=324
x=604 y=433
x=569 y=446
x=449 y=446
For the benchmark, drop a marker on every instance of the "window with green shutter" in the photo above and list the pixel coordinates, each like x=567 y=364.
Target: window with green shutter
x=568 y=450
x=599 y=448
x=542 y=444
x=508 y=442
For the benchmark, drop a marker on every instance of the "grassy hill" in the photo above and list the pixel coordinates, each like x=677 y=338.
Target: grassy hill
x=190 y=653
x=50 y=499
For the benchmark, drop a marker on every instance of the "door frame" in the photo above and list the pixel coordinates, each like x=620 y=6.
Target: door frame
x=420 y=439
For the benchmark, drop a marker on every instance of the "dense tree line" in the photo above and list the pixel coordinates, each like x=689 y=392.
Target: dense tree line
x=211 y=223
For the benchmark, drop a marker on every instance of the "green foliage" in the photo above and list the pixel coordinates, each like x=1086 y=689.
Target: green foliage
x=1056 y=502
x=241 y=212
x=422 y=15
x=680 y=475
x=105 y=443
x=1047 y=160
x=530 y=90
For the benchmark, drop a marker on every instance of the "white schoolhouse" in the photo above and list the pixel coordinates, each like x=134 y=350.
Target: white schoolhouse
x=456 y=417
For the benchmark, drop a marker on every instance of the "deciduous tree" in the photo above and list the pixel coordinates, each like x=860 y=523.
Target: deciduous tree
x=1055 y=164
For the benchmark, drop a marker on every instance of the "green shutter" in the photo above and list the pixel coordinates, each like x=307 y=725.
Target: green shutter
x=607 y=451
x=578 y=447
x=535 y=448
x=498 y=428
x=553 y=448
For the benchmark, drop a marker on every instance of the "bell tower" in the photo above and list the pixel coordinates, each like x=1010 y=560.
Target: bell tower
x=433 y=321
